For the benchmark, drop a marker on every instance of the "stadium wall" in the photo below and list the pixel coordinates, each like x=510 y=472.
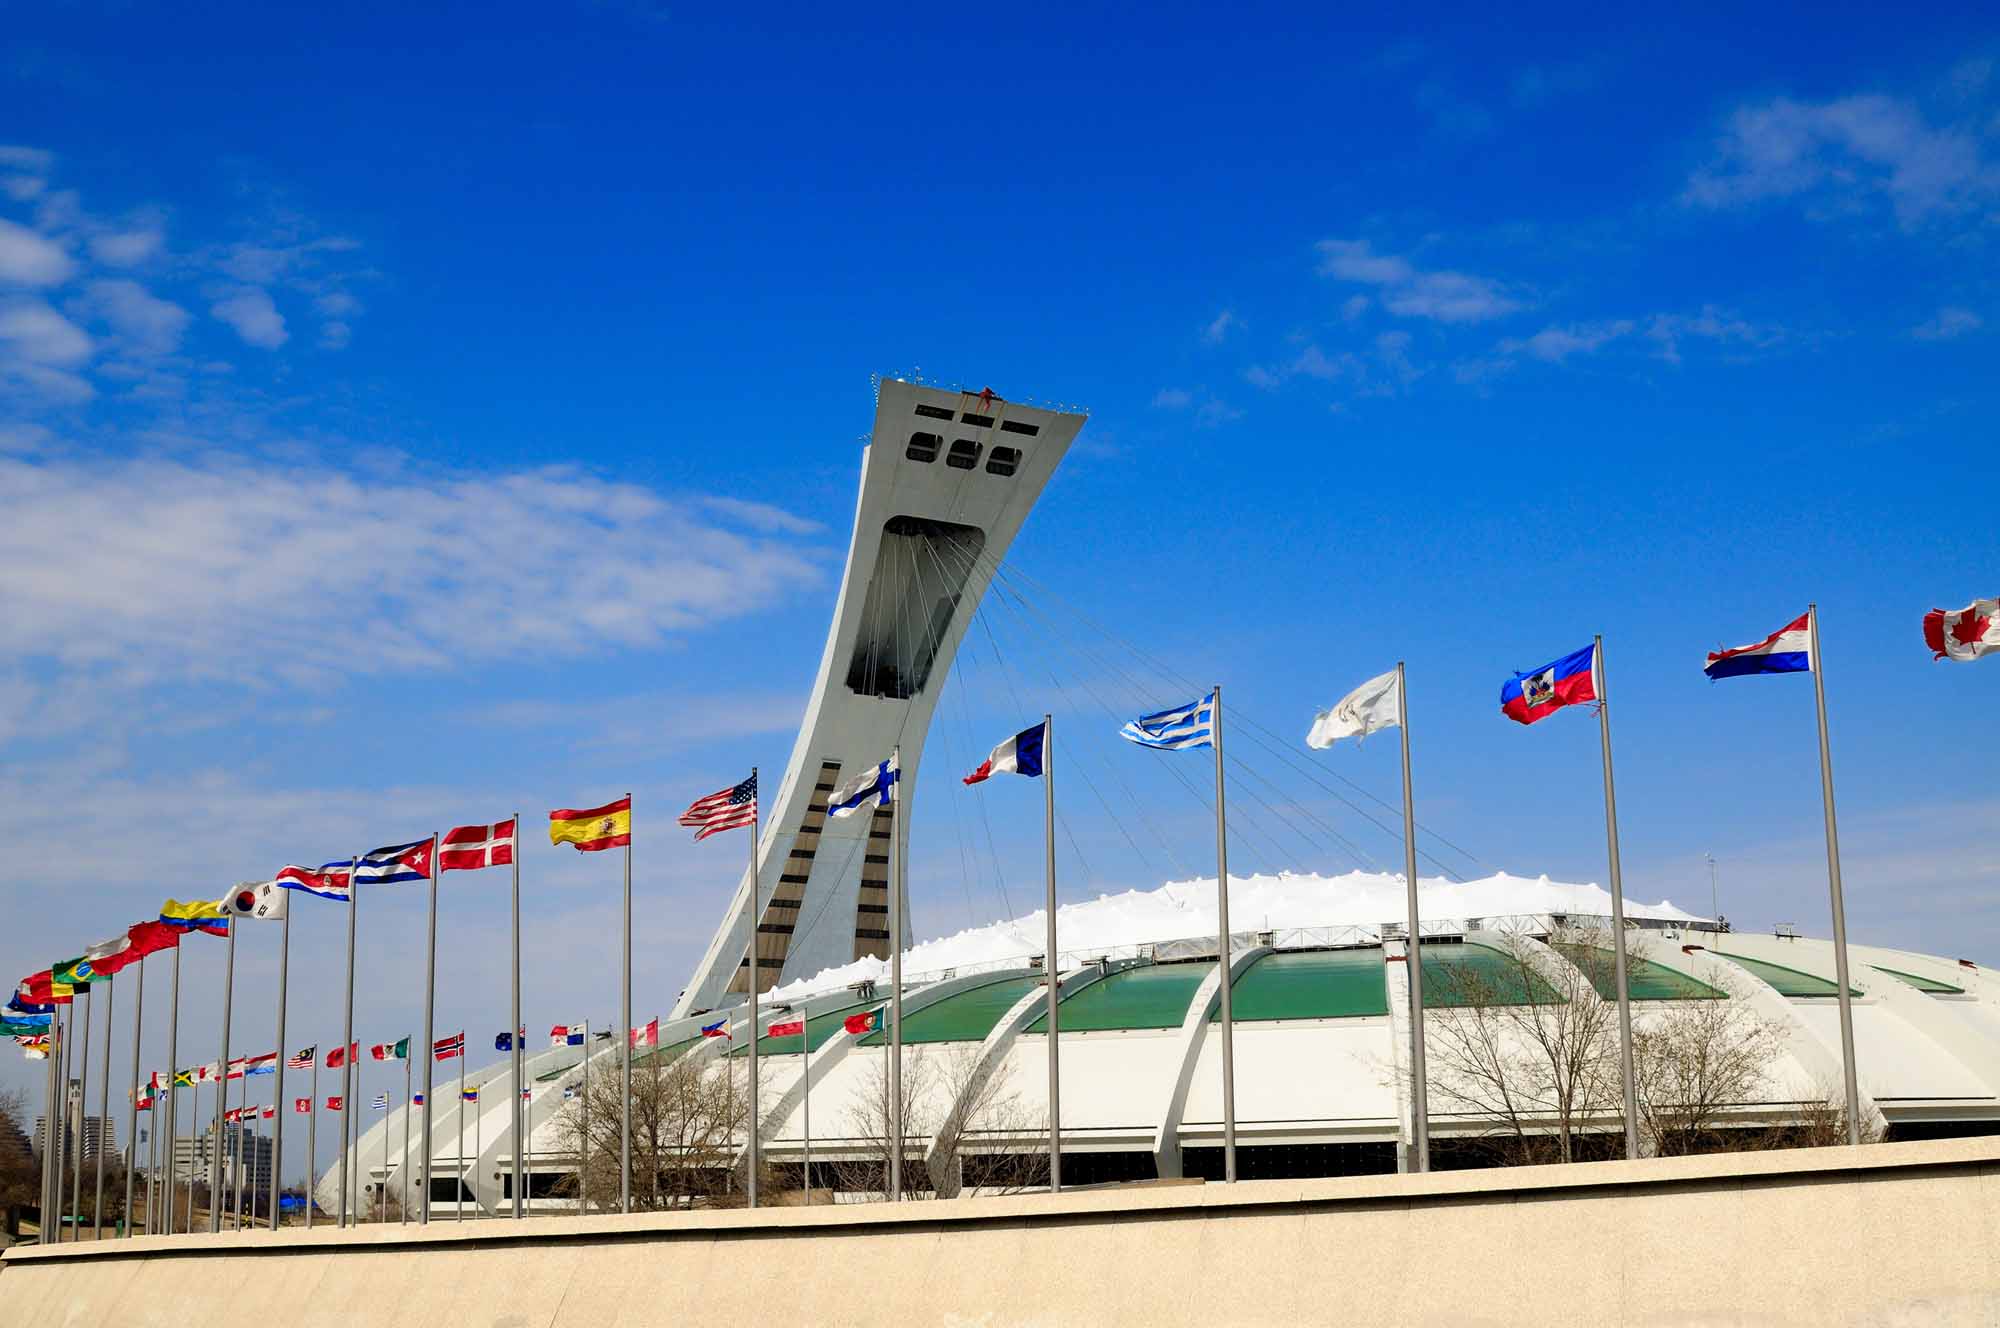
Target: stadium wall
x=1892 y=1233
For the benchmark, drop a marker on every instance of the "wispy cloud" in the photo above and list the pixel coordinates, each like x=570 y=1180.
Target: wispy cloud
x=1405 y=289
x=251 y=312
x=1173 y=398
x=1657 y=336
x=1221 y=326
x=29 y=258
x=1841 y=154
x=1948 y=323
x=144 y=323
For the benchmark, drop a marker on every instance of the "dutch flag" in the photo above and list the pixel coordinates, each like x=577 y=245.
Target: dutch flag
x=1787 y=650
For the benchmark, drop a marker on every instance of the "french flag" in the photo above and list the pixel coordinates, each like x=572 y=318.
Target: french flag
x=1787 y=650
x=1571 y=680
x=1019 y=755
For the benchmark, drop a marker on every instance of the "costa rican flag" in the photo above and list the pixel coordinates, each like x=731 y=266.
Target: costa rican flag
x=1787 y=650
x=395 y=864
x=471 y=847
x=1019 y=755
x=1571 y=680
x=331 y=881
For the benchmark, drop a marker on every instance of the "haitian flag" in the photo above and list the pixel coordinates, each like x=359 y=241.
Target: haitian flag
x=1535 y=695
x=1019 y=755
x=1787 y=650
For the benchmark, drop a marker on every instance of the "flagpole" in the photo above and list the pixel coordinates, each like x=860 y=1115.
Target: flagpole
x=382 y=1189
x=49 y=1116
x=1051 y=966
x=82 y=1110
x=1625 y=1066
x=1847 y=1069
x=478 y=1144
x=403 y=1171
x=755 y=888
x=625 y=1021
x=278 y=1089
x=805 y=1070
x=458 y=1195
x=132 y=1122
x=103 y=1107
x=222 y=1089
x=57 y=1147
x=166 y=1226
x=194 y=1137
x=312 y=1129
x=898 y=818
x=1420 y=1116
x=153 y=1161
x=1223 y=958
x=347 y=1033
x=583 y=1160
x=515 y=1022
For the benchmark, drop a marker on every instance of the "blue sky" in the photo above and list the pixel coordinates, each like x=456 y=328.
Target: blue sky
x=406 y=418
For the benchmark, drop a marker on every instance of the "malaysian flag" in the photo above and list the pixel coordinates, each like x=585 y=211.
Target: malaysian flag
x=471 y=847
x=449 y=1048
x=732 y=807
x=302 y=1060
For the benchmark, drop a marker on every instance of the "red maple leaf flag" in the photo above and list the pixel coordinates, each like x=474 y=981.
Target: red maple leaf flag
x=1968 y=633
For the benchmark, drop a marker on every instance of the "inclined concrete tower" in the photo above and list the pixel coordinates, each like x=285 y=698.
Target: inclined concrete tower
x=946 y=481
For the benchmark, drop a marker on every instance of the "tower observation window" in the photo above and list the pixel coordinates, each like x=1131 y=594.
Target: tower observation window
x=923 y=447
x=921 y=567
x=1003 y=461
x=964 y=454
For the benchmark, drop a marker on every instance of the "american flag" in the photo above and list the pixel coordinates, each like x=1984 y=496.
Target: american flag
x=449 y=1048
x=733 y=806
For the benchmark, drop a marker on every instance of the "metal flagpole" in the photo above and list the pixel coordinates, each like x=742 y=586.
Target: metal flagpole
x=1222 y=959
x=756 y=1155
x=166 y=1225
x=1052 y=965
x=278 y=1088
x=1625 y=1066
x=583 y=1163
x=347 y=1033
x=514 y=1023
x=1420 y=1114
x=805 y=1070
x=222 y=1088
x=458 y=1195
x=430 y=1049
x=103 y=1109
x=312 y=1139
x=478 y=1146
x=382 y=1186
x=625 y=1050
x=195 y=1156
x=898 y=816
x=1847 y=1070
x=132 y=1116
x=403 y=1170
x=153 y=1161
x=82 y=1109
x=59 y=1120
x=50 y=1116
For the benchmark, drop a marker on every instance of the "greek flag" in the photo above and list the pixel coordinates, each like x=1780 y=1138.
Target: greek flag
x=1191 y=725
x=866 y=791
x=381 y=1102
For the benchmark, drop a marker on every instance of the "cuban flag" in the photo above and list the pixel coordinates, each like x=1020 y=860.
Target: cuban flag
x=1019 y=755
x=396 y=864
x=868 y=790
x=332 y=881
x=1571 y=680
x=1191 y=725
x=1787 y=650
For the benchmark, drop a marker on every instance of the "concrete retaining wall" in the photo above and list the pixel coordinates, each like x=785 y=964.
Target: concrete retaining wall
x=1891 y=1234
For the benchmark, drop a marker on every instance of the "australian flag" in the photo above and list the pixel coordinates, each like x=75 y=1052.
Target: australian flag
x=396 y=864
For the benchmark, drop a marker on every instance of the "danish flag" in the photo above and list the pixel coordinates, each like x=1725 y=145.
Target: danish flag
x=471 y=847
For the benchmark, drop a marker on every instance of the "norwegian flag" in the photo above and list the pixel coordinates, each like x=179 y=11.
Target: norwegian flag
x=449 y=1048
x=302 y=1060
x=725 y=810
x=471 y=847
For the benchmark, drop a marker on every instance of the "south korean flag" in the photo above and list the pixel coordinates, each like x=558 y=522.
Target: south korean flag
x=262 y=900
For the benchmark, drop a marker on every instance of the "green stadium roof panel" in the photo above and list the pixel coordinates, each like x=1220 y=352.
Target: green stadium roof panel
x=1459 y=973
x=1648 y=981
x=1786 y=981
x=1310 y=984
x=1149 y=996
x=966 y=1016
x=1930 y=985
x=818 y=1028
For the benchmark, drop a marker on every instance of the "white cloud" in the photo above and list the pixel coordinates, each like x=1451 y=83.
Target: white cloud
x=1212 y=413
x=245 y=570
x=1846 y=151
x=147 y=324
x=1443 y=295
x=1555 y=344
x=1947 y=323
x=335 y=335
x=127 y=248
x=256 y=319
x=1173 y=398
x=33 y=332
x=35 y=160
x=761 y=516
x=29 y=258
x=1668 y=331
x=1220 y=327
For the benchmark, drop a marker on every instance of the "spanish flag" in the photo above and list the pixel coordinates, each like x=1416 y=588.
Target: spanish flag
x=594 y=828
x=207 y=917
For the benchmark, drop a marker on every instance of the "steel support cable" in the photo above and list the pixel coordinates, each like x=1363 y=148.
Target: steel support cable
x=1352 y=851
x=1080 y=768
x=1266 y=738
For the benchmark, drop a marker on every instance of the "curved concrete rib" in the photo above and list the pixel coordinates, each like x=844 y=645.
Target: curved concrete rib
x=1194 y=1028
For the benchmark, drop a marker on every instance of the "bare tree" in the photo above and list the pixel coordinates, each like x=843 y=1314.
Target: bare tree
x=962 y=1130
x=688 y=1120
x=1695 y=1060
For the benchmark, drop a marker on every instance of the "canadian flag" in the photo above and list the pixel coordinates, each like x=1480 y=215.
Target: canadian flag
x=1966 y=633
x=648 y=1036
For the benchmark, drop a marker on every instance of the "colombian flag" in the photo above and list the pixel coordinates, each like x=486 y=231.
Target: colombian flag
x=593 y=829
x=207 y=917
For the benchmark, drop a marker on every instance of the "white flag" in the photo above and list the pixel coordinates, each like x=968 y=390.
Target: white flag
x=264 y=900
x=1371 y=706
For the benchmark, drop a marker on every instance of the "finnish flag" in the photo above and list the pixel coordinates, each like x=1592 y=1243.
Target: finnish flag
x=868 y=790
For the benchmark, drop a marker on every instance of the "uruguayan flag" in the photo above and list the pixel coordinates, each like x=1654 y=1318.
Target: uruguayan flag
x=1191 y=725
x=866 y=791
